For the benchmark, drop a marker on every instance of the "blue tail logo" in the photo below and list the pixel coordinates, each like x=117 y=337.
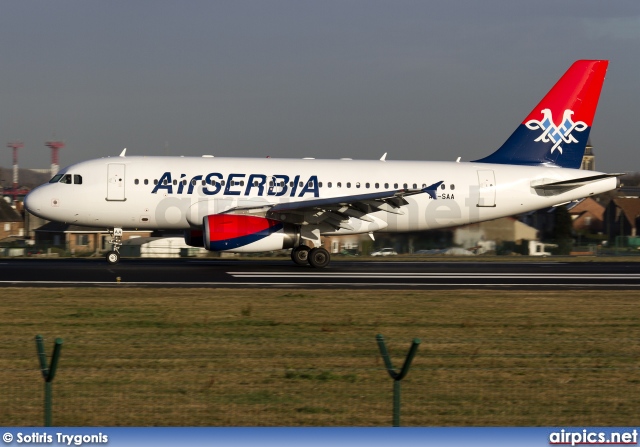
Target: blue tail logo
x=556 y=134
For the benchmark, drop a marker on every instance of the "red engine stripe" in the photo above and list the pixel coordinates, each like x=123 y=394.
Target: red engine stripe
x=229 y=226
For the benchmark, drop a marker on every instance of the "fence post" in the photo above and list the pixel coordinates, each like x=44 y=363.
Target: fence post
x=397 y=377
x=48 y=373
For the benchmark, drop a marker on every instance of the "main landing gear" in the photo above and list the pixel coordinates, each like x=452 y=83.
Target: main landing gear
x=113 y=256
x=316 y=257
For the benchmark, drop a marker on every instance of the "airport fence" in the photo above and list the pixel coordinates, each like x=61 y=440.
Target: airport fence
x=193 y=381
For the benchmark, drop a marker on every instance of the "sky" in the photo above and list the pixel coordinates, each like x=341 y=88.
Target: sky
x=421 y=80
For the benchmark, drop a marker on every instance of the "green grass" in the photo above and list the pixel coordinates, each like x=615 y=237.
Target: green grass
x=185 y=357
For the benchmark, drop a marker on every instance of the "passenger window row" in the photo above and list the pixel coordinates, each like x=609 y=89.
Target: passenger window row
x=280 y=184
x=77 y=180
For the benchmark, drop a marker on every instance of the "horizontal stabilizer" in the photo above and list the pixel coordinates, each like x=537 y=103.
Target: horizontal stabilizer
x=553 y=188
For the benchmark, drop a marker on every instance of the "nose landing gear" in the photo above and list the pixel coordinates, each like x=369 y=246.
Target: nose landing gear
x=113 y=256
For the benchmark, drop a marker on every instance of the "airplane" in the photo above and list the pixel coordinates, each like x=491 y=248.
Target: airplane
x=266 y=204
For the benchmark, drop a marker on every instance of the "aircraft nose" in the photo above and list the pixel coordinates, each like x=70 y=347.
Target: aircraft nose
x=35 y=202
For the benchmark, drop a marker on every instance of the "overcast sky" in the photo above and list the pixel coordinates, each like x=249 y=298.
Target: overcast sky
x=421 y=80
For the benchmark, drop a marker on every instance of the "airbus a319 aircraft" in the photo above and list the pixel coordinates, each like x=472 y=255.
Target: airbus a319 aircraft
x=264 y=204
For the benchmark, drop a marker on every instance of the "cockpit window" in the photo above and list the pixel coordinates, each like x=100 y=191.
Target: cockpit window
x=66 y=178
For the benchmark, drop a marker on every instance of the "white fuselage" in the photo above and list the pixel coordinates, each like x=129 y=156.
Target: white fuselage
x=178 y=192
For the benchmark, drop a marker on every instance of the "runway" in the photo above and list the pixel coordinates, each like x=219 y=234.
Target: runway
x=225 y=273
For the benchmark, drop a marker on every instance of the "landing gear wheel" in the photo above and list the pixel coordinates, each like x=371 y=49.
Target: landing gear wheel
x=113 y=257
x=319 y=258
x=300 y=255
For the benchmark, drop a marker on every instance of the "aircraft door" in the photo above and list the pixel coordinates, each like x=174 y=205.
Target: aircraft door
x=487 y=190
x=115 y=181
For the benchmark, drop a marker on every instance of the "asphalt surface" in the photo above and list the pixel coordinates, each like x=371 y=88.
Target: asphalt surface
x=226 y=273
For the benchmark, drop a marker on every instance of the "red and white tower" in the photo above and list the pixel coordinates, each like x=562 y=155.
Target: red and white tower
x=55 y=146
x=15 y=145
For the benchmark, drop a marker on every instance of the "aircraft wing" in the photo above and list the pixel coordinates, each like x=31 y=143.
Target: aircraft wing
x=336 y=211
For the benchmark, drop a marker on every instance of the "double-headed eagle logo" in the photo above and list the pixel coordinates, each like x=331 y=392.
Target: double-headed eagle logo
x=556 y=134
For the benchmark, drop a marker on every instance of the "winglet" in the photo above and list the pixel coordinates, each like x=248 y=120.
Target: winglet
x=431 y=190
x=124 y=151
x=384 y=157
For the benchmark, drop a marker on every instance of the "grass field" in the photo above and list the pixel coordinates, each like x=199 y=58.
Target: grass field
x=214 y=357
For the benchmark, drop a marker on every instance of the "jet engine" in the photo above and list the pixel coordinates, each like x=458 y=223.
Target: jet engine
x=193 y=238
x=240 y=233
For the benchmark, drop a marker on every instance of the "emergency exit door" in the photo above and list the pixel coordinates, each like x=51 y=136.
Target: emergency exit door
x=115 y=181
x=487 y=190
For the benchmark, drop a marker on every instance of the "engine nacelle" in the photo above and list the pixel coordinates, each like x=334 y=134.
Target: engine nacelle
x=194 y=238
x=247 y=234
